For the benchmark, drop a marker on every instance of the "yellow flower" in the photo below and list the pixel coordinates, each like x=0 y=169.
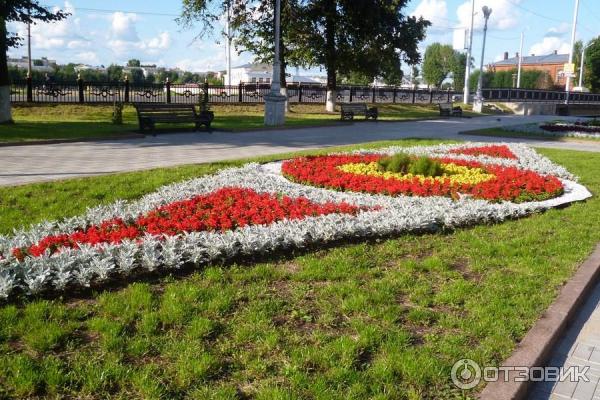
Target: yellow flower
x=457 y=174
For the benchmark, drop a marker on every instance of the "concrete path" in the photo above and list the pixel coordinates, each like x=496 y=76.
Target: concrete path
x=35 y=163
x=579 y=347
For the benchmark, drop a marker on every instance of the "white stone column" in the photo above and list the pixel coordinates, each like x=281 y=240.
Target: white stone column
x=274 y=101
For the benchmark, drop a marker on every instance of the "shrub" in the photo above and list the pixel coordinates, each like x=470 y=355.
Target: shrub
x=117 y=116
x=403 y=163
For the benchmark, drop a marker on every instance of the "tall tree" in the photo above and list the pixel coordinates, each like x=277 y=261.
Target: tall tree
x=370 y=37
x=439 y=61
x=592 y=64
x=26 y=11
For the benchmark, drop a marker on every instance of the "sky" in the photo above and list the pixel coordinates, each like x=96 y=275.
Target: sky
x=102 y=32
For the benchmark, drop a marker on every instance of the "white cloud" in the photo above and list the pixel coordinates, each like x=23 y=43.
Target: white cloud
x=122 y=27
x=435 y=11
x=548 y=45
x=558 y=31
x=161 y=42
x=87 y=57
x=504 y=14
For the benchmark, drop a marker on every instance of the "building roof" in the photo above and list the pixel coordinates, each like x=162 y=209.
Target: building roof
x=255 y=67
x=533 y=60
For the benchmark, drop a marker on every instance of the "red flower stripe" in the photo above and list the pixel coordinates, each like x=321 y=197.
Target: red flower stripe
x=492 y=150
x=510 y=183
x=224 y=209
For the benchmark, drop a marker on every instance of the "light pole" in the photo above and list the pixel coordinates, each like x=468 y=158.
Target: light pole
x=573 y=33
x=581 y=66
x=478 y=105
x=520 y=61
x=274 y=101
x=466 y=91
x=228 y=47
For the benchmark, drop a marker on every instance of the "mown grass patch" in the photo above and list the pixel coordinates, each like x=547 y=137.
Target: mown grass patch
x=384 y=319
x=74 y=121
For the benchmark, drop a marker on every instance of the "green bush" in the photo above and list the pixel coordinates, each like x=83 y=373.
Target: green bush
x=117 y=115
x=403 y=163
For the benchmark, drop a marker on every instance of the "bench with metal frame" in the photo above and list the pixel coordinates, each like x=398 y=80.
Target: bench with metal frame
x=149 y=114
x=448 y=110
x=349 y=110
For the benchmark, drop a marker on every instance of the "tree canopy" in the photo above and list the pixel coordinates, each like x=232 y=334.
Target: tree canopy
x=439 y=62
x=592 y=65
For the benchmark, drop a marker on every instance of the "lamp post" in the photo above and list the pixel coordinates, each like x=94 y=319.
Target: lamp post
x=466 y=92
x=573 y=33
x=274 y=101
x=478 y=104
x=520 y=62
x=581 y=66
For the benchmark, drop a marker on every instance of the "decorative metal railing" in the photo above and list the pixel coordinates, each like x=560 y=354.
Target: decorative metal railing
x=27 y=91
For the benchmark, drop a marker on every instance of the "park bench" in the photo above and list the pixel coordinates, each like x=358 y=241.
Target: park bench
x=446 y=109
x=349 y=110
x=149 y=114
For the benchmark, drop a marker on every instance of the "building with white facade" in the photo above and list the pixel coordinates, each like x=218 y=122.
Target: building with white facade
x=42 y=64
x=262 y=73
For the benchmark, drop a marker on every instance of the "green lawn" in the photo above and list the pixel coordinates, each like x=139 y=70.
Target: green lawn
x=500 y=133
x=384 y=319
x=43 y=122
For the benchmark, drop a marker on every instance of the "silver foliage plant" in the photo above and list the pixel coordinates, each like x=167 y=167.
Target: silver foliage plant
x=93 y=265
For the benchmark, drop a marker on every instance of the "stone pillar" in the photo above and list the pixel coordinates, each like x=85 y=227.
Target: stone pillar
x=275 y=101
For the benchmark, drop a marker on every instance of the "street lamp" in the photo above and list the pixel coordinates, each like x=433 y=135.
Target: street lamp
x=466 y=91
x=581 y=66
x=478 y=105
x=274 y=101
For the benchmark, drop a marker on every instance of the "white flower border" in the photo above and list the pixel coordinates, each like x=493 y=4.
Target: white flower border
x=536 y=129
x=95 y=265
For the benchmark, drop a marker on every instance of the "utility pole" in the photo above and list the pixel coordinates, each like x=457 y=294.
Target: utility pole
x=520 y=61
x=573 y=33
x=469 y=49
x=29 y=66
x=228 y=45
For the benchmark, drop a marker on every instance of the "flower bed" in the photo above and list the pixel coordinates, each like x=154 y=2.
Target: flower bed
x=575 y=129
x=359 y=173
x=255 y=209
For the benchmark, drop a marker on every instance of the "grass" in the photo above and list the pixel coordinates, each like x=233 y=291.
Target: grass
x=44 y=122
x=503 y=133
x=384 y=319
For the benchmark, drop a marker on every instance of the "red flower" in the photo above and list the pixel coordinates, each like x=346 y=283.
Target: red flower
x=224 y=209
x=491 y=150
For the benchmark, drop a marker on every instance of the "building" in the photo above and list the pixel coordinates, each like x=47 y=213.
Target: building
x=553 y=64
x=262 y=73
x=42 y=64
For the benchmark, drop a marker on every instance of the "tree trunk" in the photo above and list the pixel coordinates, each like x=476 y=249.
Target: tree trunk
x=5 y=113
x=330 y=56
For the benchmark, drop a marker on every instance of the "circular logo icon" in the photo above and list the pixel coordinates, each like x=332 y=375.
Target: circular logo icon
x=466 y=374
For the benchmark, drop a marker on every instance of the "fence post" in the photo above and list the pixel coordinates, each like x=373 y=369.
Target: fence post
x=374 y=98
x=394 y=94
x=205 y=99
x=430 y=96
x=168 y=85
x=350 y=101
x=29 y=89
x=240 y=94
x=126 y=89
x=80 y=87
x=449 y=99
x=414 y=93
x=299 y=93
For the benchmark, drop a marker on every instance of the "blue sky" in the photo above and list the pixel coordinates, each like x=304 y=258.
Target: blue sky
x=111 y=31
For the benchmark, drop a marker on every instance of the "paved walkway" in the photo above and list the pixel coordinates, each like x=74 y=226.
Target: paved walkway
x=35 y=163
x=579 y=347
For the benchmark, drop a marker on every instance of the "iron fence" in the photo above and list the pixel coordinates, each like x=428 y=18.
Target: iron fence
x=27 y=91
